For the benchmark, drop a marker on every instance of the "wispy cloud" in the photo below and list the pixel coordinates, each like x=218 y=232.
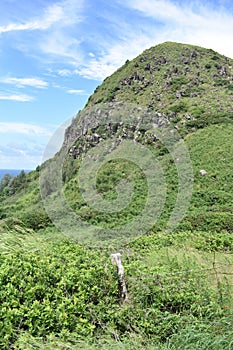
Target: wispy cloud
x=52 y=14
x=69 y=34
x=20 y=155
x=160 y=20
x=193 y=22
x=17 y=98
x=64 y=72
x=114 y=56
x=164 y=9
x=22 y=82
x=57 y=29
x=77 y=92
x=23 y=128
x=60 y=45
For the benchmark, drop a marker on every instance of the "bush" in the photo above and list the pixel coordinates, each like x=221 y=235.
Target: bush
x=179 y=107
x=66 y=290
x=36 y=219
x=206 y=221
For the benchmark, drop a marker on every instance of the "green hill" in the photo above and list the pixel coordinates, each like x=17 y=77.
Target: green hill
x=192 y=85
x=61 y=293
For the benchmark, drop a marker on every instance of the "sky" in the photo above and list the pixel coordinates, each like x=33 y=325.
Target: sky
x=53 y=54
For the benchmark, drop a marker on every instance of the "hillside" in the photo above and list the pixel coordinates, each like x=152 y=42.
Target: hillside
x=58 y=289
x=190 y=84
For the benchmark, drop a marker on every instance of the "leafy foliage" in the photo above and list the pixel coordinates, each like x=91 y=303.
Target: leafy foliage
x=53 y=293
x=60 y=289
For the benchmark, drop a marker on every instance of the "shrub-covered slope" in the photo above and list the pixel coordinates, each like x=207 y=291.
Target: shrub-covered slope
x=57 y=294
x=210 y=208
x=191 y=84
x=210 y=149
x=192 y=88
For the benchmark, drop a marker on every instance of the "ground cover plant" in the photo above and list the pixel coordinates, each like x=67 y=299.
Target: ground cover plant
x=55 y=291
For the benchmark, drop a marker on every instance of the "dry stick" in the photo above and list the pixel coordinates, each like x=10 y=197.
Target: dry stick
x=122 y=290
x=217 y=278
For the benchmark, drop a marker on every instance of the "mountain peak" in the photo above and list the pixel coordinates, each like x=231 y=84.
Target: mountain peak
x=173 y=78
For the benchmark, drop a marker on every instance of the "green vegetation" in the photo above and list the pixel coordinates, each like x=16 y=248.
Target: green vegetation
x=11 y=184
x=175 y=79
x=56 y=293
x=210 y=148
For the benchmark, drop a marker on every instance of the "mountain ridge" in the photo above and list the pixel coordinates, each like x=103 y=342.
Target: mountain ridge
x=172 y=78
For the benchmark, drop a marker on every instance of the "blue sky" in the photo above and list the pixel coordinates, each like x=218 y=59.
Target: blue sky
x=53 y=54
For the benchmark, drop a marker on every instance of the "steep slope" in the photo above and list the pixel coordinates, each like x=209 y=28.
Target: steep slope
x=57 y=294
x=189 y=87
x=190 y=84
x=210 y=148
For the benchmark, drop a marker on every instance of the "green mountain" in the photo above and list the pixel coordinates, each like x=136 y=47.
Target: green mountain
x=60 y=291
x=190 y=84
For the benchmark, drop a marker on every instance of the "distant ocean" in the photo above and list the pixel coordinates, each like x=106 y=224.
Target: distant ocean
x=12 y=172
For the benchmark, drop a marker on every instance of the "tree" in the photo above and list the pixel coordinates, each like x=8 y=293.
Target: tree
x=5 y=181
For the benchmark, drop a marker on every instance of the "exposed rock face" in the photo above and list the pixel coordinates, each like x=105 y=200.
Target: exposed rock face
x=94 y=125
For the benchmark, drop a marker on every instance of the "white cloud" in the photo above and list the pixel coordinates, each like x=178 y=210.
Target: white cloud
x=114 y=56
x=52 y=15
x=97 y=69
x=91 y=54
x=20 y=155
x=61 y=42
x=21 y=82
x=17 y=98
x=164 y=9
x=59 y=45
x=64 y=72
x=23 y=128
x=56 y=26
x=77 y=92
x=194 y=23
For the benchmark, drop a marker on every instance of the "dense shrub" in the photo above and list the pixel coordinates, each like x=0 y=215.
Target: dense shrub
x=63 y=290
x=179 y=107
x=36 y=219
x=68 y=290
